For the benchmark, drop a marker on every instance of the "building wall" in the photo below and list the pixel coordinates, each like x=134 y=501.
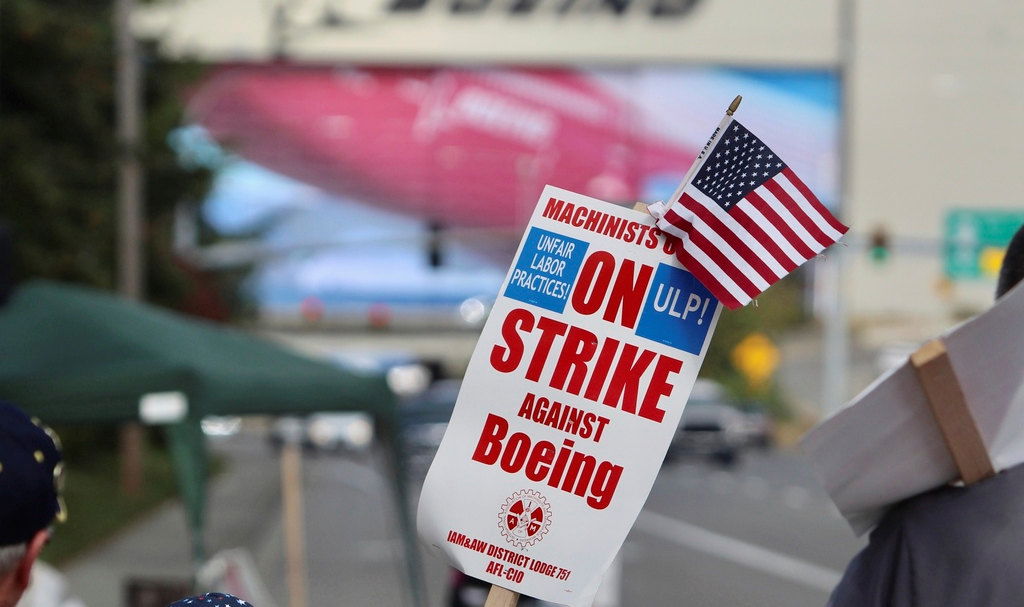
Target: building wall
x=935 y=95
x=934 y=90
x=605 y=32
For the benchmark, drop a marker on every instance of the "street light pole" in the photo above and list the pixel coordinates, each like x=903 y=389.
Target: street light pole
x=836 y=337
x=130 y=208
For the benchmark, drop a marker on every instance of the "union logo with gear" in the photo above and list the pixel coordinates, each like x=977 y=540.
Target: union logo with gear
x=524 y=518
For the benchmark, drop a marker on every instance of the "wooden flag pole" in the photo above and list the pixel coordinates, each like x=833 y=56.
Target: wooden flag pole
x=501 y=597
x=946 y=399
x=700 y=157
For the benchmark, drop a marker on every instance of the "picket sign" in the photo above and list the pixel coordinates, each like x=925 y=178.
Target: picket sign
x=503 y=597
x=946 y=399
x=570 y=399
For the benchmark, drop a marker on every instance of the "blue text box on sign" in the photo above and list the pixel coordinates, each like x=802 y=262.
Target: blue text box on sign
x=546 y=269
x=678 y=311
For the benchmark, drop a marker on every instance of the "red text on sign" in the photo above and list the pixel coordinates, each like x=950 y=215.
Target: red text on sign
x=561 y=467
x=560 y=416
x=621 y=293
x=606 y=371
x=600 y=222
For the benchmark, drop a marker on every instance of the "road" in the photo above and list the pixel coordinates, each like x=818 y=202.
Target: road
x=760 y=534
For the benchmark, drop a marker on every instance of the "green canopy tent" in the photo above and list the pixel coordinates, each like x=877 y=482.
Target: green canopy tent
x=76 y=355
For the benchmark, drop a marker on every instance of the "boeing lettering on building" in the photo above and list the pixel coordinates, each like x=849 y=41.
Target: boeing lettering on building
x=533 y=32
x=617 y=8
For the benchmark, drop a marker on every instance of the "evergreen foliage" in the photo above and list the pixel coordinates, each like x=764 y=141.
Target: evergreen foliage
x=58 y=148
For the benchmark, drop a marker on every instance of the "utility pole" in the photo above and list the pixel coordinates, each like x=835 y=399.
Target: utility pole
x=130 y=209
x=836 y=338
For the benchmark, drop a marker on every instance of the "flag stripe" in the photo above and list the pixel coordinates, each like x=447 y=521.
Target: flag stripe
x=734 y=292
x=734 y=281
x=747 y=206
x=667 y=224
x=805 y=206
x=798 y=214
x=706 y=278
x=802 y=250
x=717 y=282
x=753 y=236
x=791 y=222
x=739 y=213
x=736 y=261
x=699 y=241
x=811 y=198
x=737 y=237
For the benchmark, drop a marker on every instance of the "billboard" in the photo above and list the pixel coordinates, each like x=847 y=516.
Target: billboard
x=388 y=154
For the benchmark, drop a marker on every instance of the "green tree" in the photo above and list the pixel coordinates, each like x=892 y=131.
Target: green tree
x=58 y=152
x=777 y=310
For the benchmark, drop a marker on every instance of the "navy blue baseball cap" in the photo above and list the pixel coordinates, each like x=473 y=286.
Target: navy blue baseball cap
x=31 y=474
x=211 y=599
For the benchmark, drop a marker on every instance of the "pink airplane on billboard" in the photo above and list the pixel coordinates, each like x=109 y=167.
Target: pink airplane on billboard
x=461 y=147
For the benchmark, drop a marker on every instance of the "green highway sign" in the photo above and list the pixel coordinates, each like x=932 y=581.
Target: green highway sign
x=975 y=241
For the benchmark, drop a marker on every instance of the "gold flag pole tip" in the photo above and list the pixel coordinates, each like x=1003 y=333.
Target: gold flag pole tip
x=734 y=105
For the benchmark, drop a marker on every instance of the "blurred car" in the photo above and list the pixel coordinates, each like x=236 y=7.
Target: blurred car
x=758 y=429
x=346 y=431
x=425 y=417
x=408 y=376
x=220 y=425
x=336 y=432
x=715 y=431
x=288 y=430
x=710 y=427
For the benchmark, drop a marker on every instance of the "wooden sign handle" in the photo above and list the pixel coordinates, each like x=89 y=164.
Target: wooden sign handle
x=946 y=399
x=294 y=525
x=501 y=597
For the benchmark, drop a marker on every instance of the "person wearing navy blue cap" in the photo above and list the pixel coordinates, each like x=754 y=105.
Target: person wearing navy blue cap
x=211 y=599
x=30 y=497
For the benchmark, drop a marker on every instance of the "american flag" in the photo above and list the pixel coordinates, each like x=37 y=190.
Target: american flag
x=745 y=219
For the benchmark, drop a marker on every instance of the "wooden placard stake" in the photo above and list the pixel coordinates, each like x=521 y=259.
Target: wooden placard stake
x=946 y=399
x=501 y=597
x=294 y=523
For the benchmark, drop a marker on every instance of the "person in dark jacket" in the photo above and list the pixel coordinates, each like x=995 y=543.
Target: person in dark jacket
x=952 y=546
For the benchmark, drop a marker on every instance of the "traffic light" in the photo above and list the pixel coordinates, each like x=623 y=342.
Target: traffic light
x=879 y=245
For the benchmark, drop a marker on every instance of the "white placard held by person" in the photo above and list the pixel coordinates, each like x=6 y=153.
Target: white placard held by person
x=569 y=403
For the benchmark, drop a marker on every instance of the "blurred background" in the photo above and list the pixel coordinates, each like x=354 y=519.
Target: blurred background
x=246 y=249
